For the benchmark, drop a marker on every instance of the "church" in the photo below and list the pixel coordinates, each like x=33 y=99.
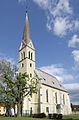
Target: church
x=52 y=97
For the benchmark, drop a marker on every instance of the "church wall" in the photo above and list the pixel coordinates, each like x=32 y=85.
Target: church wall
x=52 y=103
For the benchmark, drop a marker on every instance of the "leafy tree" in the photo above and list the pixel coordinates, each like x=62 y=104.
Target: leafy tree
x=14 y=87
x=24 y=87
x=7 y=69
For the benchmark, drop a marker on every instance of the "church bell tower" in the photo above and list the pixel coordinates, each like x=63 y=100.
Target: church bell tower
x=27 y=52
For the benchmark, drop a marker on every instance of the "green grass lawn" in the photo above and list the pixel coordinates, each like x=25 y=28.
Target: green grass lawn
x=74 y=117
x=20 y=118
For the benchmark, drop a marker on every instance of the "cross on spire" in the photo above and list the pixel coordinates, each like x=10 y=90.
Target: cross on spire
x=26 y=9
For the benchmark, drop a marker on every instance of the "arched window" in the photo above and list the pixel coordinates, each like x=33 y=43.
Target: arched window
x=29 y=54
x=56 y=97
x=30 y=74
x=47 y=109
x=24 y=55
x=46 y=95
x=21 y=56
x=63 y=99
x=30 y=64
x=22 y=64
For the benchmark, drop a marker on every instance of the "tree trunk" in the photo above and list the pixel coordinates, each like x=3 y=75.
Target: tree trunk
x=18 y=109
x=21 y=108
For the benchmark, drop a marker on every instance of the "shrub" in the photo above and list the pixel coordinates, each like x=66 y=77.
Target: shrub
x=39 y=115
x=2 y=115
x=59 y=116
x=55 y=115
x=49 y=116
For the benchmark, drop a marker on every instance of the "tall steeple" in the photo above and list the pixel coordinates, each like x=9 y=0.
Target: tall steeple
x=26 y=34
x=27 y=51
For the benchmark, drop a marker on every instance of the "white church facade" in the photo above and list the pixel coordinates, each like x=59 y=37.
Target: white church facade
x=52 y=97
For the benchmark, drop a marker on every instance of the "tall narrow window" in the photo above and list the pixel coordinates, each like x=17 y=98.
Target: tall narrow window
x=47 y=109
x=30 y=110
x=30 y=75
x=63 y=99
x=24 y=55
x=21 y=56
x=22 y=64
x=29 y=54
x=30 y=64
x=46 y=95
x=56 y=97
x=60 y=98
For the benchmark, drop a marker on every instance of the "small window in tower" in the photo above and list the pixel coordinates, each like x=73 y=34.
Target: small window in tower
x=30 y=64
x=21 y=56
x=22 y=64
x=30 y=75
x=29 y=54
x=24 y=55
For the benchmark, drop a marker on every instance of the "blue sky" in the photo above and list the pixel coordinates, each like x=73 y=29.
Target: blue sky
x=54 y=27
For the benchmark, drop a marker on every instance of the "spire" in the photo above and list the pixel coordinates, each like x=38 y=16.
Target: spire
x=26 y=33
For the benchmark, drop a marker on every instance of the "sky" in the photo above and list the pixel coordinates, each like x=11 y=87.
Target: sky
x=54 y=28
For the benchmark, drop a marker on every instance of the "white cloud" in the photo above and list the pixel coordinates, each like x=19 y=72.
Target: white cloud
x=55 y=6
x=76 y=24
x=60 y=18
x=72 y=86
x=61 y=26
x=61 y=8
x=74 y=42
x=75 y=55
x=73 y=89
x=7 y=58
x=42 y=3
x=58 y=71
